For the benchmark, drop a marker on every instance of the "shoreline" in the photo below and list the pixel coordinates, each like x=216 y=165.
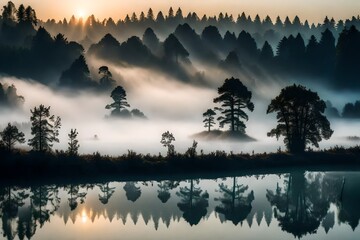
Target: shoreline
x=20 y=167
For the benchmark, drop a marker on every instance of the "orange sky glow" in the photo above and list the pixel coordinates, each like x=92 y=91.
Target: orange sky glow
x=313 y=10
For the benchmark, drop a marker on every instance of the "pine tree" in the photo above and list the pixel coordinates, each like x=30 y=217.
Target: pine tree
x=134 y=18
x=120 y=103
x=171 y=13
x=127 y=19
x=209 y=119
x=30 y=15
x=234 y=97
x=142 y=17
x=266 y=54
x=179 y=15
x=174 y=49
x=20 y=14
x=9 y=12
x=106 y=80
x=267 y=23
x=287 y=24
x=160 y=17
x=279 y=24
x=151 y=40
x=166 y=140
x=11 y=135
x=45 y=129
x=73 y=143
x=150 y=15
x=78 y=75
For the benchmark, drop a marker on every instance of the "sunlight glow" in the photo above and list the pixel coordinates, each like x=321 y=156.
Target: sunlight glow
x=80 y=13
x=84 y=216
x=314 y=11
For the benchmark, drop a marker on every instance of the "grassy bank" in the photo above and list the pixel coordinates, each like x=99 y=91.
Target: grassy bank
x=24 y=166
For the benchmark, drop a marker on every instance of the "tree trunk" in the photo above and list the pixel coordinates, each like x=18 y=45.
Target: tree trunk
x=40 y=134
x=233 y=192
x=232 y=118
x=191 y=193
x=9 y=144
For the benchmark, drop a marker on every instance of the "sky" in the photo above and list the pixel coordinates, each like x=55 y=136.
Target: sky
x=313 y=10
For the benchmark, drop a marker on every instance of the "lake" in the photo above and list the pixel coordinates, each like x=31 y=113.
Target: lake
x=298 y=204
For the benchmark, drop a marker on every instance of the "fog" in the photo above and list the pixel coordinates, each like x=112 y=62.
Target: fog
x=169 y=105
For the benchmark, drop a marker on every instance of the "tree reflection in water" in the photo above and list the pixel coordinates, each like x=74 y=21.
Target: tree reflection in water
x=133 y=192
x=75 y=195
x=193 y=202
x=11 y=199
x=164 y=189
x=106 y=192
x=303 y=202
x=44 y=202
x=348 y=204
x=235 y=205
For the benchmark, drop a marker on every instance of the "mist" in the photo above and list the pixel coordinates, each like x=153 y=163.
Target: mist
x=169 y=104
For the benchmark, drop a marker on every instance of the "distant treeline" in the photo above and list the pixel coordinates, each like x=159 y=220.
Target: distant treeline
x=298 y=53
x=272 y=30
x=323 y=60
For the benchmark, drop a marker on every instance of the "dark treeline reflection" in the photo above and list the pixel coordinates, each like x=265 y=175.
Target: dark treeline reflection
x=303 y=202
x=299 y=203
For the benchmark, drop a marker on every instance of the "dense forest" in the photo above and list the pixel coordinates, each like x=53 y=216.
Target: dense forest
x=256 y=49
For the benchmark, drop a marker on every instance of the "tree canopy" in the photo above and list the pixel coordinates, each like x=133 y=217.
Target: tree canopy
x=44 y=128
x=120 y=103
x=174 y=49
x=166 y=140
x=106 y=80
x=234 y=97
x=73 y=144
x=209 y=119
x=300 y=118
x=11 y=135
x=78 y=75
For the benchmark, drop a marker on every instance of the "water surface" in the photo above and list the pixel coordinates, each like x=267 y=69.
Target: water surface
x=306 y=205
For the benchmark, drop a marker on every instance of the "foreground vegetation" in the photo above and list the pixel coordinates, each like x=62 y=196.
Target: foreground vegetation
x=23 y=166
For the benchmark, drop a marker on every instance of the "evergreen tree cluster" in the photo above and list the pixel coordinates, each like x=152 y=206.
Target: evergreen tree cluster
x=43 y=59
x=333 y=63
x=17 y=24
x=45 y=129
x=120 y=105
x=234 y=97
x=328 y=51
x=164 y=23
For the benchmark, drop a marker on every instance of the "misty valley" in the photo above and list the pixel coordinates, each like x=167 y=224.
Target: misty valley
x=168 y=125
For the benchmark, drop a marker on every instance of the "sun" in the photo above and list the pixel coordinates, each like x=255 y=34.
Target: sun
x=84 y=216
x=80 y=13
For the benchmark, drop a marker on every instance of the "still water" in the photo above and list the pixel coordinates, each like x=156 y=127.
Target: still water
x=306 y=205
